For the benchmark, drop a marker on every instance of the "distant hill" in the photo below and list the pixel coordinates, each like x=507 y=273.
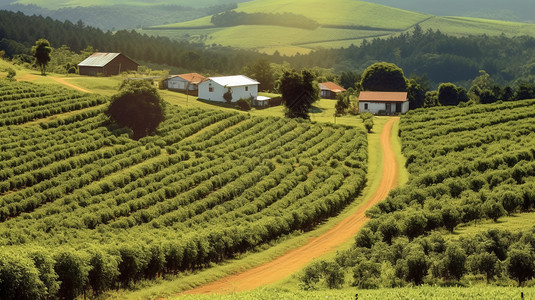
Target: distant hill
x=342 y=23
x=511 y=10
x=57 y=4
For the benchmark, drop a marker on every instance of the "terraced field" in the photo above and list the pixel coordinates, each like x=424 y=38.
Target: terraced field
x=75 y=190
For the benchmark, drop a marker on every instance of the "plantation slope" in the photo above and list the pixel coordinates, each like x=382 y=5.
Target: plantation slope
x=296 y=259
x=211 y=184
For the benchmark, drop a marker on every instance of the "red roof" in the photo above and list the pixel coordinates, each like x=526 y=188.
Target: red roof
x=192 y=77
x=331 y=86
x=370 y=96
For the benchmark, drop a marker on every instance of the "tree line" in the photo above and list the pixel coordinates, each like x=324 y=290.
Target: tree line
x=234 y=18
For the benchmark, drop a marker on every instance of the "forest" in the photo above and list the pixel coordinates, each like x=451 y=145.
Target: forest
x=233 y=18
x=466 y=164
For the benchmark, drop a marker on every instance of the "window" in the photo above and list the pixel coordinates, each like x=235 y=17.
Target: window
x=210 y=89
x=366 y=106
x=246 y=88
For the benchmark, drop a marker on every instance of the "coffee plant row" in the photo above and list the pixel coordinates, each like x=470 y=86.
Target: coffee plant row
x=84 y=208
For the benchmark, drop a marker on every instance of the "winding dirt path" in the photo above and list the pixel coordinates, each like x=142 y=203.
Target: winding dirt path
x=295 y=259
x=64 y=82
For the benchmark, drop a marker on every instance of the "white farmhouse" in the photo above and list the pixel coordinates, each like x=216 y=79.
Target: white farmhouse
x=241 y=87
x=383 y=103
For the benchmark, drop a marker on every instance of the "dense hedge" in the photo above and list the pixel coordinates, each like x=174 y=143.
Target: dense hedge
x=84 y=208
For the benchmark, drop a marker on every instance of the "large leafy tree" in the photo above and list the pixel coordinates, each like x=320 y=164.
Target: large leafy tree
x=137 y=106
x=261 y=71
x=385 y=77
x=299 y=91
x=41 y=51
x=449 y=94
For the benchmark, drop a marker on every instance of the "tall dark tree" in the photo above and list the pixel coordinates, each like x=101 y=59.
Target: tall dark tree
x=137 y=106
x=416 y=94
x=449 y=94
x=262 y=72
x=520 y=265
x=299 y=91
x=41 y=51
x=385 y=77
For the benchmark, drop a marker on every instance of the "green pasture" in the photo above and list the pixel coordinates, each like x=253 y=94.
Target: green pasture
x=515 y=223
x=416 y=293
x=339 y=12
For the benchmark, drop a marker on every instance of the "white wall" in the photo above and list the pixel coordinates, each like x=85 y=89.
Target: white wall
x=178 y=83
x=376 y=107
x=238 y=92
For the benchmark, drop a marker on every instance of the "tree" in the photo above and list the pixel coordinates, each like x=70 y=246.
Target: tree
x=137 y=106
x=350 y=79
x=493 y=210
x=449 y=94
x=41 y=51
x=299 y=91
x=450 y=216
x=520 y=265
x=454 y=262
x=262 y=72
x=385 y=77
x=483 y=263
x=416 y=94
x=417 y=265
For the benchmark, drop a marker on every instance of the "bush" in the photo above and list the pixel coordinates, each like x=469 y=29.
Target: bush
x=72 y=272
x=19 y=278
x=244 y=104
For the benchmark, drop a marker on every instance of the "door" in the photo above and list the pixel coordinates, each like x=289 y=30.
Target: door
x=398 y=107
x=388 y=108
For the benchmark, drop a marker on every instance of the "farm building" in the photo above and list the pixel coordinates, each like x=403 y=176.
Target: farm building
x=106 y=64
x=329 y=90
x=241 y=87
x=185 y=82
x=383 y=103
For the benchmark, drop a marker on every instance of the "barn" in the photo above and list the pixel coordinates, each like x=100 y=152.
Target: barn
x=241 y=87
x=329 y=90
x=383 y=103
x=107 y=64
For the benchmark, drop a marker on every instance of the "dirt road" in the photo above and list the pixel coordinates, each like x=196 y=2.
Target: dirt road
x=296 y=259
x=64 y=82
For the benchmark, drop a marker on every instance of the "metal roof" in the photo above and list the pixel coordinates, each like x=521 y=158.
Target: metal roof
x=236 y=80
x=98 y=59
x=370 y=96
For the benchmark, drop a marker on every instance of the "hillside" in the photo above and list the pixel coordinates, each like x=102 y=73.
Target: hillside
x=211 y=184
x=342 y=23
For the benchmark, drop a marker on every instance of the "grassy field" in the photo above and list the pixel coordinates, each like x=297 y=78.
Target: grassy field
x=418 y=293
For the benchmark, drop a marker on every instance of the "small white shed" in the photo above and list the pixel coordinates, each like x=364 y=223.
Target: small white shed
x=241 y=87
x=182 y=82
x=383 y=103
